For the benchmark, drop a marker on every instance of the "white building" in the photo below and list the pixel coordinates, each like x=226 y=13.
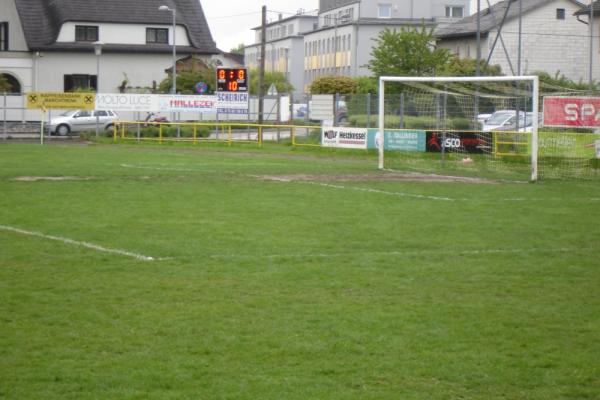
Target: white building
x=339 y=40
x=284 y=50
x=553 y=38
x=47 y=45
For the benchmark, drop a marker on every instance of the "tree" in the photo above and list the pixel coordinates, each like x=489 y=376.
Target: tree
x=187 y=80
x=276 y=78
x=559 y=82
x=468 y=67
x=5 y=85
x=366 y=84
x=408 y=52
x=333 y=85
x=239 y=49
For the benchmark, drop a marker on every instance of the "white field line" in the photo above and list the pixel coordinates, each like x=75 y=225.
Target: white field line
x=367 y=190
x=401 y=253
x=78 y=243
x=412 y=195
x=204 y=165
x=370 y=190
x=160 y=168
x=359 y=189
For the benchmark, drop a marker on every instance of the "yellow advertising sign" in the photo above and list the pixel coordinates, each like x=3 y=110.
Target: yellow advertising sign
x=84 y=101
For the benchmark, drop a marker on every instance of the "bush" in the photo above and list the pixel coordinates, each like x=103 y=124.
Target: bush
x=411 y=122
x=333 y=85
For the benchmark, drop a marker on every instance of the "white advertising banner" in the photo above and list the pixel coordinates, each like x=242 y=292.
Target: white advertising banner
x=321 y=107
x=598 y=148
x=127 y=102
x=233 y=102
x=184 y=103
x=155 y=102
x=349 y=138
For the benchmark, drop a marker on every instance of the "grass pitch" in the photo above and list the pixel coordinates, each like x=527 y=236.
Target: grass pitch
x=289 y=275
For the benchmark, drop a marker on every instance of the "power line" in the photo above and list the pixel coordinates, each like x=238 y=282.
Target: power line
x=236 y=15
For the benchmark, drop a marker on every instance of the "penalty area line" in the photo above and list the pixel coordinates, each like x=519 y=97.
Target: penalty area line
x=78 y=243
x=378 y=191
x=474 y=252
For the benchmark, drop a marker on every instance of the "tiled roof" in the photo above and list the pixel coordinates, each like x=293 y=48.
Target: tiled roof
x=42 y=20
x=490 y=18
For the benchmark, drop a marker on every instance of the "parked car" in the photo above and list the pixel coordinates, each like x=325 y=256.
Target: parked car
x=73 y=121
x=503 y=118
x=525 y=124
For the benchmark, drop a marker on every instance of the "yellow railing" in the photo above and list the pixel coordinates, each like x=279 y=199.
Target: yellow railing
x=224 y=132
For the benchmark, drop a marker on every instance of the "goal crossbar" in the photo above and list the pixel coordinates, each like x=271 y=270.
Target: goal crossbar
x=408 y=79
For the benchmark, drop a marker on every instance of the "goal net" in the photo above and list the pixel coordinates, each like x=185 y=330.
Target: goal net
x=486 y=127
x=483 y=126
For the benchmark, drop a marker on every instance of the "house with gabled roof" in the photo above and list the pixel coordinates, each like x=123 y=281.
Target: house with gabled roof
x=553 y=38
x=47 y=45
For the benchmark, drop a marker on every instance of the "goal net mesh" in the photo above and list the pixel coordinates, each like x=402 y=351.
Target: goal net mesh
x=479 y=128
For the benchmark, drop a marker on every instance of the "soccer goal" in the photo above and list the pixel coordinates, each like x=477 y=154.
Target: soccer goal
x=464 y=125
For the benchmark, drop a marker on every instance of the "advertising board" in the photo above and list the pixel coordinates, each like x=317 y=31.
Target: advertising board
x=321 y=107
x=348 y=138
x=155 y=102
x=567 y=112
x=399 y=140
x=232 y=102
x=480 y=142
x=66 y=101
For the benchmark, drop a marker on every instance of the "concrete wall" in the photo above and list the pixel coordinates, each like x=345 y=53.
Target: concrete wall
x=548 y=44
x=8 y=12
x=122 y=34
x=413 y=8
x=141 y=69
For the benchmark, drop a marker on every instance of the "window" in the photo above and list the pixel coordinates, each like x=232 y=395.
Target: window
x=454 y=12
x=73 y=82
x=384 y=10
x=157 y=35
x=84 y=33
x=13 y=84
x=560 y=13
x=291 y=29
x=3 y=36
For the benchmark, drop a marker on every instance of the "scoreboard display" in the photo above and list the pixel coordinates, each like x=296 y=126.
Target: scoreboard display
x=232 y=80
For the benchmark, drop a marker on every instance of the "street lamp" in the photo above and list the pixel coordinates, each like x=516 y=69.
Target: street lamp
x=98 y=51
x=174 y=83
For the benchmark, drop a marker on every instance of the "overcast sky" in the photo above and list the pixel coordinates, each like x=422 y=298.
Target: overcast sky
x=231 y=21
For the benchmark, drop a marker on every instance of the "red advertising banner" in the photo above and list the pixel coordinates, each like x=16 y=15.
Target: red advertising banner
x=580 y=112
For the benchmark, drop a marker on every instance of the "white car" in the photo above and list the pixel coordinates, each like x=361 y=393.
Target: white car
x=81 y=120
x=504 y=118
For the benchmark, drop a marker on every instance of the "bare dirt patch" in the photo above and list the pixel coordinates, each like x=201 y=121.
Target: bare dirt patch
x=377 y=177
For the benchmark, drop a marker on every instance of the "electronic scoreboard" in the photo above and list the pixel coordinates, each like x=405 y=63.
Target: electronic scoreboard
x=232 y=80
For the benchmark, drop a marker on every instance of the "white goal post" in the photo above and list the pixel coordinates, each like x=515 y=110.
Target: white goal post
x=533 y=80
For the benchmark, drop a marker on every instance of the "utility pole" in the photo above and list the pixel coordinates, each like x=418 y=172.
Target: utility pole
x=478 y=61
x=520 y=37
x=591 y=77
x=261 y=73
